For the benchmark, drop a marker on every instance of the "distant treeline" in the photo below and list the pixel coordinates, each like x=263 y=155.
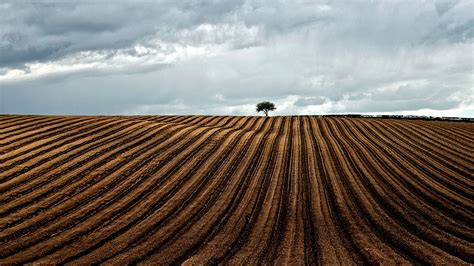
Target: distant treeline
x=414 y=117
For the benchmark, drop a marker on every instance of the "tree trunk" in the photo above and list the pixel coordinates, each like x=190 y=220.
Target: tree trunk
x=266 y=113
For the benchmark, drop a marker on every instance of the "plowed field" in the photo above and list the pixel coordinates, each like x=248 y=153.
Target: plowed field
x=196 y=189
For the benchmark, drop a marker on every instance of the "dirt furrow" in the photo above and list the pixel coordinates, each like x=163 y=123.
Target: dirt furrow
x=373 y=192
x=184 y=189
x=39 y=148
x=210 y=229
x=25 y=125
x=82 y=214
x=82 y=218
x=143 y=137
x=147 y=192
x=62 y=188
x=51 y=130
x=28 y=174
x=434 y=140
x=454 y=175
x=177 y=210
x=450 y=203
x=213 y=228
x=394 y=184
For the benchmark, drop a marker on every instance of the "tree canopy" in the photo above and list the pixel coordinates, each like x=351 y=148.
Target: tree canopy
x=265 y=107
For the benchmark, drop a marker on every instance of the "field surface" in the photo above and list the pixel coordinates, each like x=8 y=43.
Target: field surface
x=196 y=189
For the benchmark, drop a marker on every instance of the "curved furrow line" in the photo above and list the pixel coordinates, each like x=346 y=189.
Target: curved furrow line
x=186 y=119
x=217 y=123
x=49 y=123
x=394 y=185
x=161 y=220
x=11 y=118
x=190 y=121
x=205 y=120
x=239 y=218
x=281 y=220
x=407 y=171
x=40 y=144
x=69 y=216
x=144 y=192
x=18 y=121
x=168 y=119
x=88 y=212
x=151 y=118
x=240 y=221
x=453 y=159
x=279 y=194
x=406 y=160
x=222 y=122
x=456 y=148
x=385 y=200
x=42 y=197
x=85 y=255
x=75 y=153
x=293 y=233
x=209 y=122
x=183 y=119
x=378 y=231
x=455 y=129
x=41 y=148
x=335 y=245
x=22 y=123
x=29 y=126
x=353 y=229
x=435 y=161
x=86 y=169
x=454 y=175
x=467 y=127
x=15 y=178
x=429 y=178
x=43 y=133
x=242 y=180
x=335 y=205
x=170 y=242
x=102 y=244
x=148 y=118
x=449 y=135
x=158 y=118
x=220 y=209
x=311 y=237
x=202 y=120
x=464 y=125
x=49 y=197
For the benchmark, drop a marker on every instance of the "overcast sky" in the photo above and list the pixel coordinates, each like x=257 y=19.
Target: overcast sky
x=222 y=57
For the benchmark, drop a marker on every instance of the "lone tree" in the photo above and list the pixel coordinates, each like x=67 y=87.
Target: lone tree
x=265 y=107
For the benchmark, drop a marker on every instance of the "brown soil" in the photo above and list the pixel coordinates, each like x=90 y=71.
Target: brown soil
x=239 y=190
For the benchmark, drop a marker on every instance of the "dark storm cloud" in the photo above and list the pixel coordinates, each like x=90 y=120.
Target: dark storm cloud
x=220 y=57
x=47 y=31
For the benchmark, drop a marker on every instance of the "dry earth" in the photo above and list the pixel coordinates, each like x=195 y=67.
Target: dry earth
x=196 y=189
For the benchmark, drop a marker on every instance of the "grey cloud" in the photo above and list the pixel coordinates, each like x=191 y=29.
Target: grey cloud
x=443 y=6
x=308 y=56
x=397 y=105
x=310 y=101
x=47 y=31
